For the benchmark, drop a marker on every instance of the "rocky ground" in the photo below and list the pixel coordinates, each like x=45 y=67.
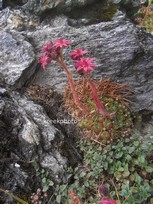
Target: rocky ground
x=30 y=141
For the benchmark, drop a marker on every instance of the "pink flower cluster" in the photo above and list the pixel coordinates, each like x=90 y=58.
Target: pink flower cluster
x=51 y=51
x=82 y=64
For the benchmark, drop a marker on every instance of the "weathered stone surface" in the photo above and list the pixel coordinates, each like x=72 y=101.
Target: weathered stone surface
x=37 y=7
x=16 y=19
x=132 y=3
x=3 y=17
x=123 y=52
x=1 y=4
x=30 y=132
x=28 y=141
x=130 y=6
x=16 y=56
x=13 y=3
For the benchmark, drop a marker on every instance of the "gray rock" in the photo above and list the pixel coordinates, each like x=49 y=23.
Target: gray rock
x=31 y=132
x=132 y=3
x=16 y=56
x=130 y=6
x=40 y=6
x=28 y=135
x=122 y=51
x=16 y=19
x=1 y=4
x=56 y=163
x=13 y=3
x=37 y=7
x=3 y=17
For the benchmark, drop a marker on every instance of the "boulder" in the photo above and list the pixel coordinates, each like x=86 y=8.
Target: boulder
x=29 y=142
x=16 y=19
x=16 y=57
x=38 y=7
x=131 y=3
x=1 y=4
x=122 y=51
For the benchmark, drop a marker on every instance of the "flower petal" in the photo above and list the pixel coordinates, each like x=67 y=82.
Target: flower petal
x=61 y=43
x=85 y=64
x=77 y=54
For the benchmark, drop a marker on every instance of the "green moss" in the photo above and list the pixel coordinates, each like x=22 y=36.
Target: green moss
x=107 y=13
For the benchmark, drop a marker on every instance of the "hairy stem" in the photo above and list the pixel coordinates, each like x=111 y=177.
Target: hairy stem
x=98 y=104
x=71 y=84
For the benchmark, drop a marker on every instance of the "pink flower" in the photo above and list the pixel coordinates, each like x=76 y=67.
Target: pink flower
x=53 y=54
x=50 y=50
x=44 y=60
x=104 y=201
x=84 y=64
x=47 y=47
x=61 y=43
x=77 y=54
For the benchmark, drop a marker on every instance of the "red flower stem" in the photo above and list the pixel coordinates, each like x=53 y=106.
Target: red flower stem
x=71 y=84
x=95 y=97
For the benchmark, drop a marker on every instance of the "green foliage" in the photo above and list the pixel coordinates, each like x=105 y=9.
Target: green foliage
x=125 y=167
x=46 y=181
x=62 y=193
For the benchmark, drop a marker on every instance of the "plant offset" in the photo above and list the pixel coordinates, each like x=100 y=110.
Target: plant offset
x=116 y=165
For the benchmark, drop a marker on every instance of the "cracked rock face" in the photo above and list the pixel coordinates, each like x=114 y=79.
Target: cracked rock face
x=16 y=56
x=27 y=137
x=37 y=7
